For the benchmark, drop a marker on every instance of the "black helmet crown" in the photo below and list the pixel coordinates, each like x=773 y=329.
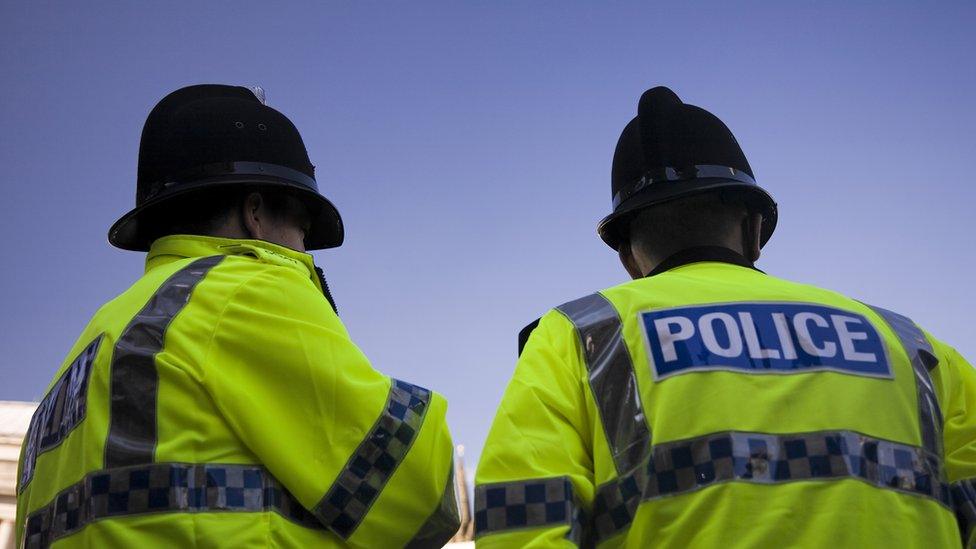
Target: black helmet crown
x=671 y=150
x=205 y=136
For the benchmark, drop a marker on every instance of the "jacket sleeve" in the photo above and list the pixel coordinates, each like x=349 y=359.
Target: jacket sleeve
x=535 y=475
x=369 y=456
x=958 y=384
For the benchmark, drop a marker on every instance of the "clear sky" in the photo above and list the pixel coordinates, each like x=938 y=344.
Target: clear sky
x=468 y=146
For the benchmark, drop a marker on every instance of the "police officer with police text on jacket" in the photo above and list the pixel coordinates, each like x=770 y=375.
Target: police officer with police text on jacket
x=219 y=402
x=708 y=404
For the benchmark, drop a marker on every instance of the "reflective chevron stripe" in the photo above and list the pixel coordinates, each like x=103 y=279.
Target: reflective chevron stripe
x=133 y=425
x=612 y=380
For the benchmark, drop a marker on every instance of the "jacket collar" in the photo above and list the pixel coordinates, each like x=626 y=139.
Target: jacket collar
x=180 y=246
x=698 y=254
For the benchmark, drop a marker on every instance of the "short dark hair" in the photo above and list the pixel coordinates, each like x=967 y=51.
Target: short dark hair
x=204 y=211
x=703 y=219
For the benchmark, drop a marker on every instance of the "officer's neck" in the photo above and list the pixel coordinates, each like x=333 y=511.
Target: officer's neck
x=698 y=254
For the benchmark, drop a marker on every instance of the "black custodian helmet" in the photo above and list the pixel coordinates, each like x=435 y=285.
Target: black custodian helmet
x=672 y=150
x=208 y=136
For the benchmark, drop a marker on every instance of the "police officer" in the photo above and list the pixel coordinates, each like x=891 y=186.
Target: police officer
x=219 y=402
x=706 y=403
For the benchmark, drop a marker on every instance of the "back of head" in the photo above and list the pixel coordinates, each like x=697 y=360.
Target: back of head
x=208 y=212
x=704 y=219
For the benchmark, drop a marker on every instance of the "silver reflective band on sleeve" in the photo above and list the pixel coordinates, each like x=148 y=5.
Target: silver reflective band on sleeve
x=681 y=467
x=921 y=355
x=964 y=501
x=612 y=380
x=360 y=482
x=527 y=504
x=134 y=381
x=162 y=488
x=444 y=522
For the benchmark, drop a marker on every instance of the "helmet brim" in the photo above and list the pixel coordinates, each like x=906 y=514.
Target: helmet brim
x=132 y=232
x=613 y=228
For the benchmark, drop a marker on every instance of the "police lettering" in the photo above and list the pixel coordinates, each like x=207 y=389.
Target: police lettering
x=763 y=338
x=59 y=412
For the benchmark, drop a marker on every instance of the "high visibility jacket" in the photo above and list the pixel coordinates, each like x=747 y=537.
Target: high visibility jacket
x=219 y=402
x=715 y=406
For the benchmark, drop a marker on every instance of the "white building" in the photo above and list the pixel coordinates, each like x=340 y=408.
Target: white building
x=14 y=420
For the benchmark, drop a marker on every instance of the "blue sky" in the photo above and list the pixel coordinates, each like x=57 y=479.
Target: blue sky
x=468 y=146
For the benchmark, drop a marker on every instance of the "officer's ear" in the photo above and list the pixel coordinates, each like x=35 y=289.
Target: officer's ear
x=752 y=236
x=252 y=217
x=627 y=259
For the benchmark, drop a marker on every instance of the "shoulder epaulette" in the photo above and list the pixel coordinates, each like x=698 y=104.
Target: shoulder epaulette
x=524 y=334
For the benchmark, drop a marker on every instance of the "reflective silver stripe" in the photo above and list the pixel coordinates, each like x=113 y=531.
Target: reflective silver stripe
x=964 y=500
x=923 y=360
x=615 y=504
x=612 y=380
x=134 y=381
x=684 y=466
x=444 y=522
x=534 y=503
x=162 y=488
x=369 y=468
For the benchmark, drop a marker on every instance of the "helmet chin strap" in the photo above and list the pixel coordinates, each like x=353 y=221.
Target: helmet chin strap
x=749 y=236
x=746 y=233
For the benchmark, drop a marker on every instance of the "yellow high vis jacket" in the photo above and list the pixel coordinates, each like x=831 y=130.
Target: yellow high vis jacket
x=219 y=402
x=712 y=405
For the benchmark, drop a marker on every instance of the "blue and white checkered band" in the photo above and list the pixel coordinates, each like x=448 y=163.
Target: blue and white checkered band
x=672 y=174
x=374 y=461
x=964 y=501
x=688 y=465
x=62 y=409
x=528 y=504
x=162 y=488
